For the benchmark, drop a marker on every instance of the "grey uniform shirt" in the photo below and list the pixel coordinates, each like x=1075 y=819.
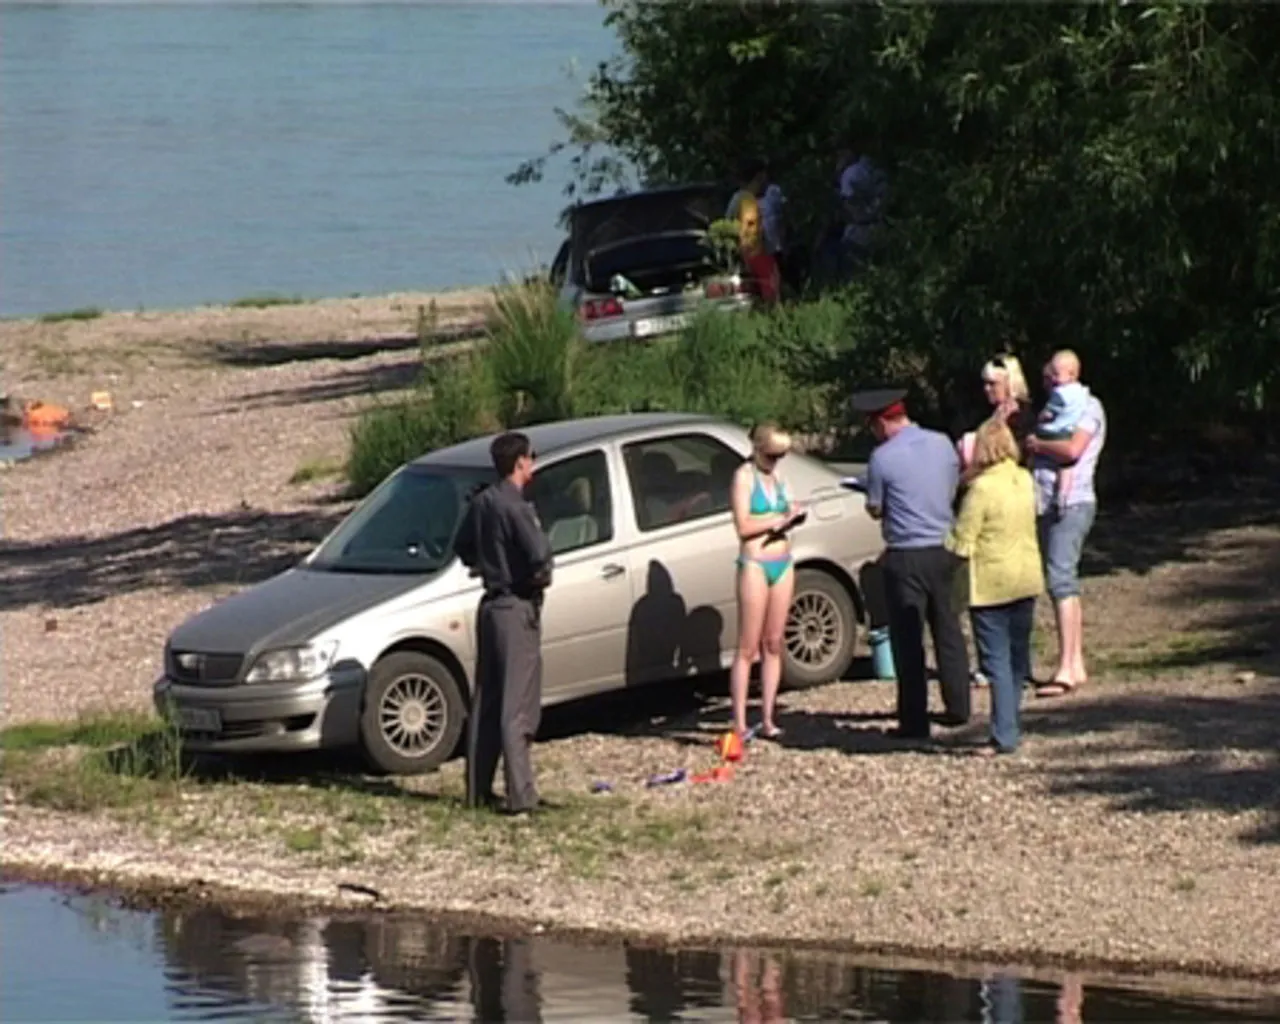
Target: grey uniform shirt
x=501 y=540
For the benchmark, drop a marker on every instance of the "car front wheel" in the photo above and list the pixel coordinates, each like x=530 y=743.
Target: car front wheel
x=413 y=714
x=821 y=631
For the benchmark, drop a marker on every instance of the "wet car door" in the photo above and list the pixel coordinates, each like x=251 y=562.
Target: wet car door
x=584 y=619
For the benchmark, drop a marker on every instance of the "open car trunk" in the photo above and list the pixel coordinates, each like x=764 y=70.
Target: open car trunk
x=656 y=242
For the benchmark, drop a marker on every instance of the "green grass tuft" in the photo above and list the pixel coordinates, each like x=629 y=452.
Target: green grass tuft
x=265 y=301
x=83 y=313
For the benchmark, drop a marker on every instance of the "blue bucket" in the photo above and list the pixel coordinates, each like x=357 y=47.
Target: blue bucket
x=881 y=653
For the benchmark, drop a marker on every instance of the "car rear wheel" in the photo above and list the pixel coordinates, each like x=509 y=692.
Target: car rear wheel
x=413 y=714
x=821 y=631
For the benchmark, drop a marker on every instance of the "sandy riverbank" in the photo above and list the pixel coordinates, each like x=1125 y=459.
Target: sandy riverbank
x=1140 y=827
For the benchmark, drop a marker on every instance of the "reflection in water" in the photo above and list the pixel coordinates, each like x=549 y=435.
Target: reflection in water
x=81 y=957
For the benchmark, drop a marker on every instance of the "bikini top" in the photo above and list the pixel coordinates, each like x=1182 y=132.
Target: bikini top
x=761 y=505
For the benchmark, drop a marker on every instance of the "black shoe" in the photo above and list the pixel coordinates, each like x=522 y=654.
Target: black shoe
x=486 y=802
x=951 y=721
x=910 y=735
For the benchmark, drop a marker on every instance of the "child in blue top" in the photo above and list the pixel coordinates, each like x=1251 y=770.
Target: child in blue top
x=1063 y=410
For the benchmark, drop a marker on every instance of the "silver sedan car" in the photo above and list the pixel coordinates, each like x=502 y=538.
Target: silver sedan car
x=369 y=641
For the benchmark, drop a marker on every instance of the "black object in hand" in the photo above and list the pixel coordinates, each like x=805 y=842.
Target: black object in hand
x=798 y=520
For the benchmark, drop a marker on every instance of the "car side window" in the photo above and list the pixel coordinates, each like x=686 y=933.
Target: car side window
x=573 y=502
x=678 y=479
x=559 y=271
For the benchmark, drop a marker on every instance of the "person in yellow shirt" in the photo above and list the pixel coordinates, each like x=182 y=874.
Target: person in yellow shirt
x=744 y=207
x=996 y=533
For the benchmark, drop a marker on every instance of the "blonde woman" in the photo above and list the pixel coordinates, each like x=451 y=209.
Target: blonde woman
x=763 y=514
x=1005 y=387
x=996 y=532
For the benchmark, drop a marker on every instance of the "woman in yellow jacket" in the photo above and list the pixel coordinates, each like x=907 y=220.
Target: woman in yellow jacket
x=996 y=532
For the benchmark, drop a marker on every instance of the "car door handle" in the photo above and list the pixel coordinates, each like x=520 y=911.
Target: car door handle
x=612 y=571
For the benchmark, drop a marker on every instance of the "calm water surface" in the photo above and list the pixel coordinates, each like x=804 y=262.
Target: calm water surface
x=77 y=957
x=175 y=154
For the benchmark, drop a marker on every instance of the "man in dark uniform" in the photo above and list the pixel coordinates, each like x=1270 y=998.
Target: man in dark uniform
x=911 y=489
x=501 y=541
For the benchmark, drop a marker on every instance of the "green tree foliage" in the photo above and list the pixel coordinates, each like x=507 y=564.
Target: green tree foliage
x=1102 y=176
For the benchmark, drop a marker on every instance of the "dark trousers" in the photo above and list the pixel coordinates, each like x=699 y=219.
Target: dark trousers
x=507 y=704
x=919 y=588
x=1002 y=634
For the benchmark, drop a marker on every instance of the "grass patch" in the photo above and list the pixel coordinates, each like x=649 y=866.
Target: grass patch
x=94 y=764
x=534 y=367
x=319 y=468
x=303 y=840
x=96 y=731
x=265 y=301
x=63 y=316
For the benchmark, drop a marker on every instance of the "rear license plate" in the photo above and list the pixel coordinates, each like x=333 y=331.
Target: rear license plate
x=660 y=325
x=198 y=720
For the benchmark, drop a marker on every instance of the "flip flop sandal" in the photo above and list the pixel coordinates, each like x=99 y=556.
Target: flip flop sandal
x=1055 y=689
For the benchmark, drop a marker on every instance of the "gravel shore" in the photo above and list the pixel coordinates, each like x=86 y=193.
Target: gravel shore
x=1139 y=828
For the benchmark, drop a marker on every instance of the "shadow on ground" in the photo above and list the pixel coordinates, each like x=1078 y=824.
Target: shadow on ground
x=1226 y=599
x=239 y=547
x=276 y=353
x=370 y=381
x=1226 y=754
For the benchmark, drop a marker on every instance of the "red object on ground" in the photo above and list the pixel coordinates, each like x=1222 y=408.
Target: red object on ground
x=720 y=773
x=729 y=746
x=42 y=414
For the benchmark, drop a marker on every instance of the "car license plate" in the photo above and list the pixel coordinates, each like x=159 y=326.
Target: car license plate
x=199 y=720
x=660 y=325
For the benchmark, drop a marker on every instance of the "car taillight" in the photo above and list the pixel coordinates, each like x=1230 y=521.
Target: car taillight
x=595 y=309
x=725 y=289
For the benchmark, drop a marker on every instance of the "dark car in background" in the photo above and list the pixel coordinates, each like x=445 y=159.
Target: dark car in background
x=640 y=265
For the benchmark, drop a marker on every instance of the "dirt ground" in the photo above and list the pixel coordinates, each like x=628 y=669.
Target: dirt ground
x=1139 y=826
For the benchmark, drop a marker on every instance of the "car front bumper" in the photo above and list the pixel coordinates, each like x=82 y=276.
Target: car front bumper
x=265 y=717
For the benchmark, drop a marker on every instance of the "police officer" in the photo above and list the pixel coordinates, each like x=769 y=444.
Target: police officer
x=501 y=541
x=911 y=488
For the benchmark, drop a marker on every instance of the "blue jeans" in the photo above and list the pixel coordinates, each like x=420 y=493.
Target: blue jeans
x=1002 y=634
x=1062 y=536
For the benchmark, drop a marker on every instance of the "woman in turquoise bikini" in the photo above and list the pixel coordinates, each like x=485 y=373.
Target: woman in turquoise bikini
x=762 y=513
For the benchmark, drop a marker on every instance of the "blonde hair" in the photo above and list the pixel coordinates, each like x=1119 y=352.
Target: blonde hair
x=993 y=444
x=1007 y=368
x=770 y=439
x=1068 y=360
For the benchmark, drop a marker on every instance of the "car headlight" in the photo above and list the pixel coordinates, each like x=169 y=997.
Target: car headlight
x=289 y=663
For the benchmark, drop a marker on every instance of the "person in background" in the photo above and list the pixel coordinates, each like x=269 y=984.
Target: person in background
x=996 y=533
x=1063 y=411
x=744 y=207
x=1005 y=388
x=501 y=541
x=911 y=487
x=773 y=222
x=863 y=190
x=763 y=514
x=1065 y=519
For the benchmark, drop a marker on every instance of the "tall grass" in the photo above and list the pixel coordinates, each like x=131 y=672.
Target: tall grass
x=534 y=367
x=536 y=356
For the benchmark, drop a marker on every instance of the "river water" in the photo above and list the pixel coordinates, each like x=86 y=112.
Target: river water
x=164 y=155
x=72 y=956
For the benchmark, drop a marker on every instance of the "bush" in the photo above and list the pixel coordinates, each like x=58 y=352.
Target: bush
x=454 y=402
x=534 y=368
x=535 y=356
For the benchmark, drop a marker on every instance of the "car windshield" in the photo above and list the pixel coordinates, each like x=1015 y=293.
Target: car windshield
x=407 y=525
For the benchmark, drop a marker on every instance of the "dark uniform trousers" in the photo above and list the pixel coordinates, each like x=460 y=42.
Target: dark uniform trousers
x=507 y=703
x=919 y=588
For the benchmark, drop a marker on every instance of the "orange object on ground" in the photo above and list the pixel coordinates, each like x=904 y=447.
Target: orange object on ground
x=720 y=773
x=42 y=414
x=101 y=400
x=729 y=746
